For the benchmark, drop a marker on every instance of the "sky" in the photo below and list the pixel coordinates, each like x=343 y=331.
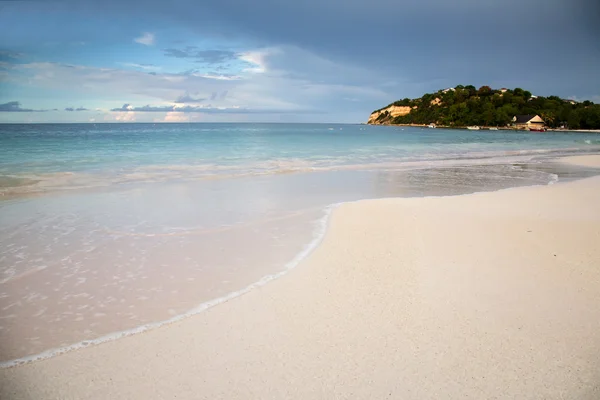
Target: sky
x=282 y=61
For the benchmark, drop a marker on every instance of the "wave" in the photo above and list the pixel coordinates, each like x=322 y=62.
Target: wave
x=318 y=235
x=19 y=184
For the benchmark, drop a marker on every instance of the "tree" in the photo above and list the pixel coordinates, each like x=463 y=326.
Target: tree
x=488 y=115
x=573 y=122
x=497 y=100
x=467 y=106
x=549 y=118
x=501 y=117
x=484 y=91
x=518 y=100
x=458 y=113
x=448 y=98
x=472 y=90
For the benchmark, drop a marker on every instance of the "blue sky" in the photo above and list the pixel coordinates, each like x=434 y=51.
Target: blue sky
x=281 y=61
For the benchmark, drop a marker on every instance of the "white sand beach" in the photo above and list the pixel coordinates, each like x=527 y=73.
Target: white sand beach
x=482 y=296
x=584 y=161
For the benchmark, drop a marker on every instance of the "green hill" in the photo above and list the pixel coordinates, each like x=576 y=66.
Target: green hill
x=467 y=105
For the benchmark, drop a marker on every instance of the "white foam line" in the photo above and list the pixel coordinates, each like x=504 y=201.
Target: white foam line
x=318 y=235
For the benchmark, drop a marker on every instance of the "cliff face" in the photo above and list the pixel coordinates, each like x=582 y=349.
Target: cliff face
x=385 y=115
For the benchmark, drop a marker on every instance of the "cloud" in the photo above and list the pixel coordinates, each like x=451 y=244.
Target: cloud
x=174 y=117
x=9 y=56
x=201 y=56
x=147 y=39
x=390 y=40
x=294 y=81
x=257 y=59
x=76 y=109
x=120 y=116
x=112 y=82
x=15 y=106
x=186 y=98
x=141 y=66
x=220 y=77
x=128 y=108
x=217 y=96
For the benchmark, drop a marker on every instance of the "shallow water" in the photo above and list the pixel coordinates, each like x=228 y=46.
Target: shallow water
x=101 y=253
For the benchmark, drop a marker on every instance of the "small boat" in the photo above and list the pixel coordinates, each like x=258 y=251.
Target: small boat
x=431 y=126
x=537 y=129
x=493 y=129
x=473 y=128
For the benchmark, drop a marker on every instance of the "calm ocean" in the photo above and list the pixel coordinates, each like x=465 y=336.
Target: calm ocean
x=109 y=229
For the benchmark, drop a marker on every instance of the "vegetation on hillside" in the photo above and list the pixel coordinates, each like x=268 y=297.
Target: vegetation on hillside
x=467 y=105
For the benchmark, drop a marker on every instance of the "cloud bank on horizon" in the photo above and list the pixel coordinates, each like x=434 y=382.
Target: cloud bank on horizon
x=310 y=61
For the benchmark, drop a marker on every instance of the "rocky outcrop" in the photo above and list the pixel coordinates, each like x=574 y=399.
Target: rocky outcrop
x=385 y=115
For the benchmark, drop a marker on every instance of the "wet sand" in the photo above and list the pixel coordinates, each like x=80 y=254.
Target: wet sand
x=488 y=295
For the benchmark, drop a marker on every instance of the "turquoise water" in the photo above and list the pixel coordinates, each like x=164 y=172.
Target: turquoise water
x=45 y=157
x=109 y=229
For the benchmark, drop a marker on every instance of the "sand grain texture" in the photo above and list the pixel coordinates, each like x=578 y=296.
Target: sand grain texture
x=583 y=161
x=484 y=296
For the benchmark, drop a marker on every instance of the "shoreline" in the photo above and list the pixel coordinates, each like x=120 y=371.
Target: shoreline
x=319 y=233
x=176 y=336
x=368 y=320
x=103 y=183
x=487 y=128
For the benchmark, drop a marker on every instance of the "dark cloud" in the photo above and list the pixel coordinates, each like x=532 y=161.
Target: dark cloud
x=76 y=109
x=15 y=106
x=400 y=49
x=8 y=56
x=210 y=110
x=430 y=43
x=202 y=56
x=186 y=98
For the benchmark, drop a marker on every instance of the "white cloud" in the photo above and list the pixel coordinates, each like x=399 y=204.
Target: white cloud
x=258 y=58
x=147 y=39
x=283 y=79
x=129 y=116
x=219 y=77
x=174 y=117
x=149 y=67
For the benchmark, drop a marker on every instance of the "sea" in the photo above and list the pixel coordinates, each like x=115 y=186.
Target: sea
x=108 y=230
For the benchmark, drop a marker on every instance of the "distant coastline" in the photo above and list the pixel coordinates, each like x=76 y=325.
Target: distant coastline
x=467 y=106
x=486 y=128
